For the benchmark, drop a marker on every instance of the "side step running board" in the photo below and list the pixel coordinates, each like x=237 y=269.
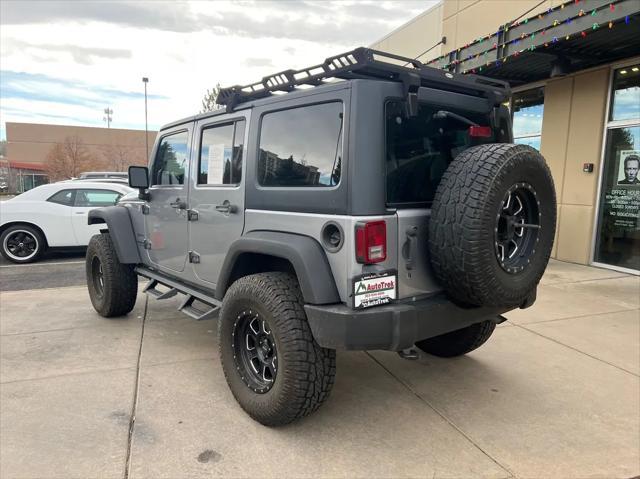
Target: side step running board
x=191 y=295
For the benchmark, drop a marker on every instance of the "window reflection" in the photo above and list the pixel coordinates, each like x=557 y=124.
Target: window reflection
x=618 y=241
x=626 y=94
x=301 y=146
x=528 y=109
x=171 y=158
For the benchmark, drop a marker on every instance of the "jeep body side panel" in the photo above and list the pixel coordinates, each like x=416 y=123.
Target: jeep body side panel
x=329 y=200
x=304 y=253
x=367 y=167
x=342 y=262
x=121 y=230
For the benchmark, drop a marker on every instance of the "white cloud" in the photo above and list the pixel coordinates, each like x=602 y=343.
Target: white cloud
x=184 y=48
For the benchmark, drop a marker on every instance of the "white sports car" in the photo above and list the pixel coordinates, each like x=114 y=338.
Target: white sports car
x=53 y=216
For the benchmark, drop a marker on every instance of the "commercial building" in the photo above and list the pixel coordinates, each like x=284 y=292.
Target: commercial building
x=29 y=145
x=574 y=68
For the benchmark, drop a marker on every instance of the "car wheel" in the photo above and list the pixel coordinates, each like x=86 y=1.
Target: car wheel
x=113 y=286
x=22 y=244
x=492 y=225
x=457 y=343
x=274 y=368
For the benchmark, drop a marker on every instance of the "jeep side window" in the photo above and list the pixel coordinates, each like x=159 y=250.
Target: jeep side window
x=171 y=160
x=221 y=154
x=301 y=146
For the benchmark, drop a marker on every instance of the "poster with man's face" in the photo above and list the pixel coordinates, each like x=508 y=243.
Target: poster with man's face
x=629 y=168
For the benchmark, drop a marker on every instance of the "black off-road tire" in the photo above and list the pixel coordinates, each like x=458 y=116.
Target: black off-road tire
x=463 y=229
x=457 y=343
x=305 y=371
x=34 y=237
x=116 y=295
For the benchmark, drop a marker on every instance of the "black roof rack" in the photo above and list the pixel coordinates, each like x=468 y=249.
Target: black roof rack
x=370 y=64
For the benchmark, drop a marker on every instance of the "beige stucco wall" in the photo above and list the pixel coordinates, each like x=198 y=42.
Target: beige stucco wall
x=416 y=36
x=460 y=21
x=572 y=134
x=32 y=142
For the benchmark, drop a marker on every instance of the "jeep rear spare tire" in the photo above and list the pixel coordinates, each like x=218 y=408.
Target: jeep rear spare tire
x=492 y=225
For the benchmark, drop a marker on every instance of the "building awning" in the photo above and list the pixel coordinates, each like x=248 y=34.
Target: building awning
x=574 y=36
x=24 y=165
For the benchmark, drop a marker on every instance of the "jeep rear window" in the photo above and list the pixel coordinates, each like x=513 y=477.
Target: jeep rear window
x=301 y=146
x=419 y=149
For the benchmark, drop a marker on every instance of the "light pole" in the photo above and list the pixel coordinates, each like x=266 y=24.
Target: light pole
x=108 y=116
x=145 y=80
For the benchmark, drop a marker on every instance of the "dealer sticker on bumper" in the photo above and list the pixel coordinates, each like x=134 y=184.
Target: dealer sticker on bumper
x=374 y=289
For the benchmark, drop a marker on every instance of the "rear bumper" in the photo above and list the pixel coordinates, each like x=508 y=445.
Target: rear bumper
x=393 y=327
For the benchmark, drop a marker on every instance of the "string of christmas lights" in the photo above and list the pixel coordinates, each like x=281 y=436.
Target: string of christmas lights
x=544 y=31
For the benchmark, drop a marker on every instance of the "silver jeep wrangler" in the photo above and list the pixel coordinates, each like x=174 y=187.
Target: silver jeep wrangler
x=369 y=202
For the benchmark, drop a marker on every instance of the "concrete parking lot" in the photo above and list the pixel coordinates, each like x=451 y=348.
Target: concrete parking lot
x=554 y=393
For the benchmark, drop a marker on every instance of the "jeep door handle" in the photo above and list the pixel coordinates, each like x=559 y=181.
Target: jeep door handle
x=179 y=204
x=226 y=207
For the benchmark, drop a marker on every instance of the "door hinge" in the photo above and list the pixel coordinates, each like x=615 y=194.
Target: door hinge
x=146 y=244
x=145 y=209
x=194 y=257
x=192 y=215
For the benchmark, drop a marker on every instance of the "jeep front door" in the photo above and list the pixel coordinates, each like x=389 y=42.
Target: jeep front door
x=217 y=194
x=166 y=218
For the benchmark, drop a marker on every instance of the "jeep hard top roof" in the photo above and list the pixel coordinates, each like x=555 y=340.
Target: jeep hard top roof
x=359 y=64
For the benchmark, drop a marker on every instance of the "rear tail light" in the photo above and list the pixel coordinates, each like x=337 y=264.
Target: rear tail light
x=480 y=131
x=371 y=242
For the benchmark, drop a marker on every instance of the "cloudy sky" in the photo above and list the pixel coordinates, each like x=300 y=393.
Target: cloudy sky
x=65 y=62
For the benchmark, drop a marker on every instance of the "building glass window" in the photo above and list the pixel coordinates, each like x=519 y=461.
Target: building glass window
x=626 y=94
x=618 y=230
x=527 y=108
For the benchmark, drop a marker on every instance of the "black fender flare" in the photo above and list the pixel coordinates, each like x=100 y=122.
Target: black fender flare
x=303 y=252
x=120 y=229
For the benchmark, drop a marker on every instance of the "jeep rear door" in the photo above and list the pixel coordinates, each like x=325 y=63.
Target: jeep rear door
x=217 y=191
x=166 y=218
x=418 y=151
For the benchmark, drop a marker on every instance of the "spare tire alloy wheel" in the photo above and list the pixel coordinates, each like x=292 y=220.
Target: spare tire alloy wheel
x=516 y=231
x=254 y=351
x=492 y=225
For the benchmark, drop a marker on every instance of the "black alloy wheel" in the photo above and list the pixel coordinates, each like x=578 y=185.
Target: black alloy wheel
x=97 y=276
x=21 y=245
x=517 y=228
x=254 y=351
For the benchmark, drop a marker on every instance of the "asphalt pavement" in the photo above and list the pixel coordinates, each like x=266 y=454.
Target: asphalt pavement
x=54 y=270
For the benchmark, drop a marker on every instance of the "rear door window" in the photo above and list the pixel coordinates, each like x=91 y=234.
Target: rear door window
x=221 y=154
x=419 y=149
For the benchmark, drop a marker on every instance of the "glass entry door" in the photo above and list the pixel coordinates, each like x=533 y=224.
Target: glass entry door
x=618 y=229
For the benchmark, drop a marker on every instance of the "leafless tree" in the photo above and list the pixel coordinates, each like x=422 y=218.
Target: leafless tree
x=69 y=159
